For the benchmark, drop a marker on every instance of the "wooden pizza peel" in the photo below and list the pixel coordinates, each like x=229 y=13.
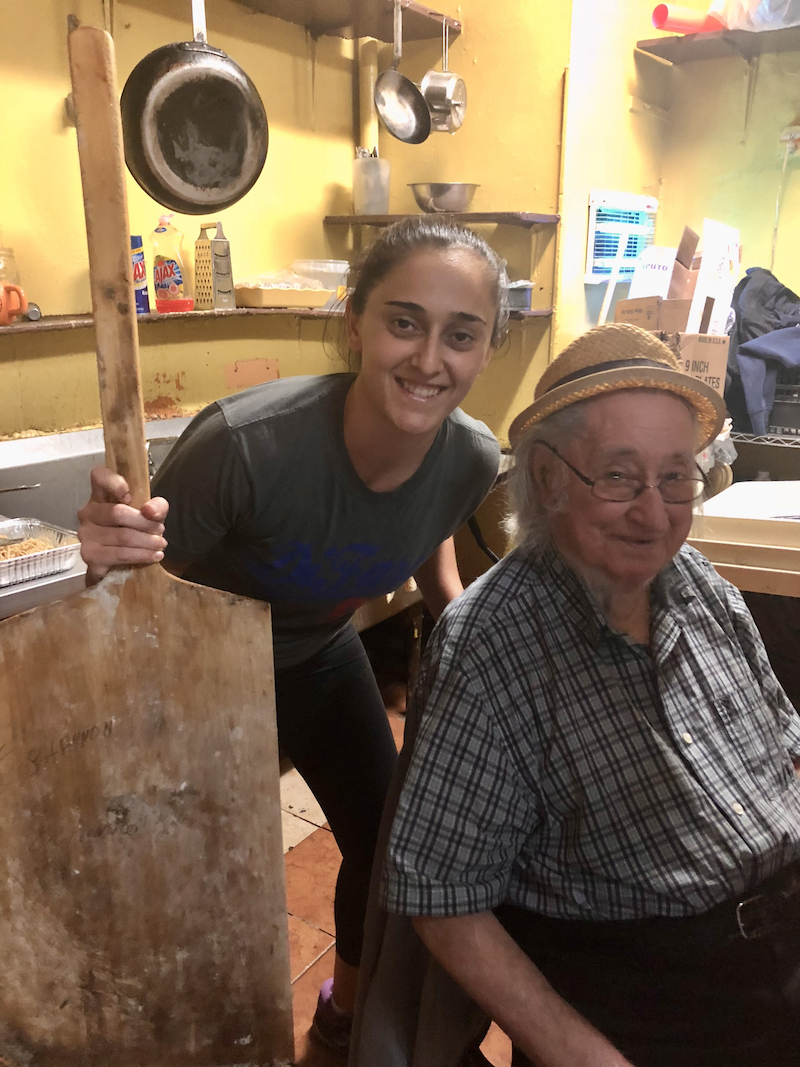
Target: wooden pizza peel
x=142 y=903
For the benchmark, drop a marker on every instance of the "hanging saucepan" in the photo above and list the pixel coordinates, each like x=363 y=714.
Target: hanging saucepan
x=194 y=127
x=445 y=93
x=399 y=102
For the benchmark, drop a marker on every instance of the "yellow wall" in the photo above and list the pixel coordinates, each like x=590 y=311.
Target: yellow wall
x=607 y=145
x=701 y=158
x=719 y=166
x=512 y=56
x=48 y=381
x=308 y=103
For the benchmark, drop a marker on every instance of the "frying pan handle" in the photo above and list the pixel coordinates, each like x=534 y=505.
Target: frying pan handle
x=199 y=20
x=94 y=88
x=397 y=34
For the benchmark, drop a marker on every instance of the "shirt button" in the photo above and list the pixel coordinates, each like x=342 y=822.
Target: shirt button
x=738 y=808
x=687 y=738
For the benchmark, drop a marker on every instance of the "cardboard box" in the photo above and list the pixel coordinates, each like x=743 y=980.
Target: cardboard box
x=653 y=313
x=703 y=355
x=683 y=282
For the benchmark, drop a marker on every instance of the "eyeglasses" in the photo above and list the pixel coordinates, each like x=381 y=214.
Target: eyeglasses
x=675 y=489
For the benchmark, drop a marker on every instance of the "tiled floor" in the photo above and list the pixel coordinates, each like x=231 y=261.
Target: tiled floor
x=312 y=863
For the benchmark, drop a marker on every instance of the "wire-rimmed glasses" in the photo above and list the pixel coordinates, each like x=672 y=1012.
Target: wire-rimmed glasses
x=619 y=489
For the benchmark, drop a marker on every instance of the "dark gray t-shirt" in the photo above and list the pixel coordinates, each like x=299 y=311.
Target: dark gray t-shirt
x=264 y=502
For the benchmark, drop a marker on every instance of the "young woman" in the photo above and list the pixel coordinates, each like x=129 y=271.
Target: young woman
x=319 y=493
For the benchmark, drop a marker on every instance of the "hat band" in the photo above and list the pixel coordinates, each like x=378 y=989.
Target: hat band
x=584 y=372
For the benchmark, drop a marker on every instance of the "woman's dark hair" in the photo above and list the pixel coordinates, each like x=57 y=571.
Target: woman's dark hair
x=417 y=234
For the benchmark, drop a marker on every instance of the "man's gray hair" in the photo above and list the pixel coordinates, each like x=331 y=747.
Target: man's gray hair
x=528 y=521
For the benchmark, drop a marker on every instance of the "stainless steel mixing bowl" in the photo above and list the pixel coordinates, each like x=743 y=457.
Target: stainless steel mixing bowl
x=443 y=196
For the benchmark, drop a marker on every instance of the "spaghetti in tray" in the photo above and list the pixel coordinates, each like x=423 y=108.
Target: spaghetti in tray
x=30 y=549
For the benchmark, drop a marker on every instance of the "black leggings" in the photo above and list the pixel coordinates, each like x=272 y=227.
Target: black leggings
x=333 y=727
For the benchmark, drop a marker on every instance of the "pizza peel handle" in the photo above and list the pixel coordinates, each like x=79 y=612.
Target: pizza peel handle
x=105 y=205
x=142 y=900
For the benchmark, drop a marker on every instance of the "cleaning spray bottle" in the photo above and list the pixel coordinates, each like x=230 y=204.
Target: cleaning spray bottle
x=170 y=269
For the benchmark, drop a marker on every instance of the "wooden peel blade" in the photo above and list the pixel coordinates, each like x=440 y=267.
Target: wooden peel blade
x=142 y=903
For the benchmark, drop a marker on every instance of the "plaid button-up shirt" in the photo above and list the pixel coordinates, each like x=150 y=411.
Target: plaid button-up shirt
x=560 y=767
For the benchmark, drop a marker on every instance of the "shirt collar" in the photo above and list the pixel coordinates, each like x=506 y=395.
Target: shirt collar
x=670 y=593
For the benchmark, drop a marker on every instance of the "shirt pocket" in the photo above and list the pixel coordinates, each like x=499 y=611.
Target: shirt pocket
x=754 y=732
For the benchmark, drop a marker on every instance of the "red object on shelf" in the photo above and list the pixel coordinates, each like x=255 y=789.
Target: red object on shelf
x=685 y=20
x=164 y=307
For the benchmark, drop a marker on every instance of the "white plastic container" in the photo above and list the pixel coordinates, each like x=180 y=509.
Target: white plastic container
x=371 y=177
x=328 y=272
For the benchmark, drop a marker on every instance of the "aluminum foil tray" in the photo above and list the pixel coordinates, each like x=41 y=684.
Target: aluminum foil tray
x=59 y=557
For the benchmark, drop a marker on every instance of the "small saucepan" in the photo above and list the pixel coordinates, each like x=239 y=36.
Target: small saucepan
x=398 y=100
x=445 y=92
x=194 y=127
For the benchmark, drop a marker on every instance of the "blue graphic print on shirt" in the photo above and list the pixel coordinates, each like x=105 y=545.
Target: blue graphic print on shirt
x=356 y=571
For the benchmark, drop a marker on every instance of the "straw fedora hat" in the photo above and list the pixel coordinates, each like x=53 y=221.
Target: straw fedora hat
x=608 y=359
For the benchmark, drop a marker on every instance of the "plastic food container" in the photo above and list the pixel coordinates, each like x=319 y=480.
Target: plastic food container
x=519 y=296
x=59 y=556
x=331 y=273
x=371 y=180
x=254 y=296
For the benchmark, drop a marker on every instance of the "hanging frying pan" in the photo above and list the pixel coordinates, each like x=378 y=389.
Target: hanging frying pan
x=399 y=102
x=194 y=127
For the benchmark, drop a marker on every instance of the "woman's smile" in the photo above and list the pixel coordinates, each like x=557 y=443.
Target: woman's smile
x=420 y=391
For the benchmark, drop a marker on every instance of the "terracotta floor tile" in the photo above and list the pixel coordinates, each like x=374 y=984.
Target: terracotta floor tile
x=305 y=992
x=311 y=870
x=294 y=830
x=306 y=944
x=309 y=1054
x=497 y=1047
x=398 y=725
x=298 y=799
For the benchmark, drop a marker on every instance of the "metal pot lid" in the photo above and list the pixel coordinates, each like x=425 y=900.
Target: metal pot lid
x=402 y=107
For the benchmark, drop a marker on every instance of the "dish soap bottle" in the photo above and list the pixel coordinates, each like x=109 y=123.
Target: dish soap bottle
x=140 y=295
x=170 y=269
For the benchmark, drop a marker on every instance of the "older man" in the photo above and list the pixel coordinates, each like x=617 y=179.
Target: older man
x=599 y=832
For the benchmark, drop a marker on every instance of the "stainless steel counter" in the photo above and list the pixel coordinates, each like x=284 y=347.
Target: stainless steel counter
x=26 y=595
x=60 y=464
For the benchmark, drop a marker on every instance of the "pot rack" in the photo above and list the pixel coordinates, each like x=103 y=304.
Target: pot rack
x=358 y=18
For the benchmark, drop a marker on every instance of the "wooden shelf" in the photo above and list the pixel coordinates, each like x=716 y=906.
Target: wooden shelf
x=722 y=45
x=81 y=322
x=532 y=313
x=367 y=18
x=507 y=218
x=51 y=323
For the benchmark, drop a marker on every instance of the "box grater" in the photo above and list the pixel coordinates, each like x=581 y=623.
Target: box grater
x=213 y=277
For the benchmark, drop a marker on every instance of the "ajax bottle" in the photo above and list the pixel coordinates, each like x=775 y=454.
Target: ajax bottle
x=139 y=277
x=170 y=269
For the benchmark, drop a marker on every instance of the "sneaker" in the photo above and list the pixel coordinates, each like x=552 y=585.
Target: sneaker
x=330 y=1026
